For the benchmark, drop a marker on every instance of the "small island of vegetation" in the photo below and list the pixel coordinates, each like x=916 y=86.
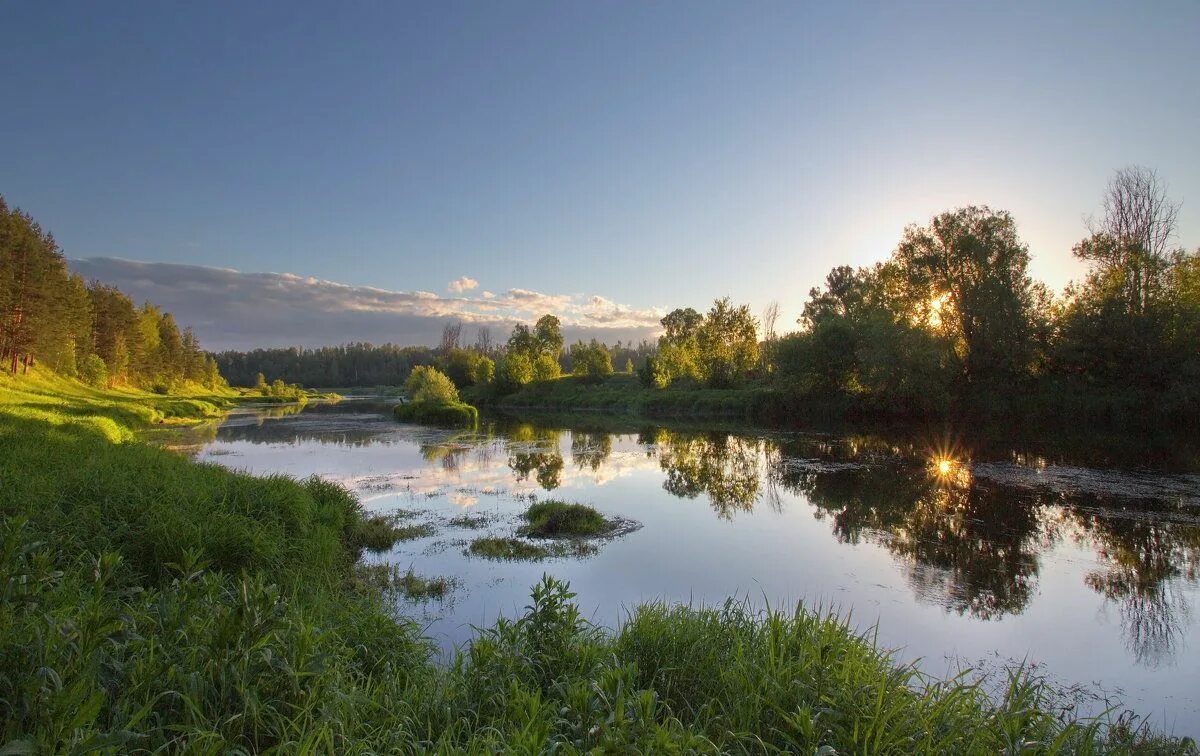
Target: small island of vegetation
x=433 y=400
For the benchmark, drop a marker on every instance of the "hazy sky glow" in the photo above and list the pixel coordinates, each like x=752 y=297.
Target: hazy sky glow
x=651 y=154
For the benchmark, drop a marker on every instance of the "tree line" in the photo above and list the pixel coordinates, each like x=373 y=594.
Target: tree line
x=953 y=322
x=90 y=331
x=468 y=363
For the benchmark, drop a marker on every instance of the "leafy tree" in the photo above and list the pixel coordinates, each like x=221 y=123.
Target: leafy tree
x=515 y=370
x=591 y=360
x=546 y=368
x=466 y=367
x=428 y=384
x=967 y=274
x=728 y=342
x=548 y=332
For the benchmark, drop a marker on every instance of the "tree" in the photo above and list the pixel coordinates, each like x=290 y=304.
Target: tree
x=966 y=273
x=466 y=368
x=770 y=317
x=548 y=332
x=1130 y=243
x=728 y=343
x=546 y=367
x=483 y=341
x=678 y=355
x=591 y=360
x=451 y=335
x=515 y=369
x=428 y=384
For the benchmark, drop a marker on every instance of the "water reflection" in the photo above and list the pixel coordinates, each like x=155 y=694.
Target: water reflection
x=731 y=470
x=970 y=528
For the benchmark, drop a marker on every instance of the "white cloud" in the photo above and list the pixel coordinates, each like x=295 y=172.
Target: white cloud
x=459 y=285
x=234 y=310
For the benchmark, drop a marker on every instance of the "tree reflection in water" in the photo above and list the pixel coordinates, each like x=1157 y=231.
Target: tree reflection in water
x=730 y=469
x=971 y=547
x=535 y=450
x=590 y=449
x=1146 y=564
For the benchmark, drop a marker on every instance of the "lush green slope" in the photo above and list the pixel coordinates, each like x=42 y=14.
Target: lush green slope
x=149 y=603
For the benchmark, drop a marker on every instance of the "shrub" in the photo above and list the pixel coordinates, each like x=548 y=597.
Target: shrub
x=428 y=384
x=93 y=371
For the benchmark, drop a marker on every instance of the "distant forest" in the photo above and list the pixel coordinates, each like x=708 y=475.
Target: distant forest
x=361 y=365
x=90 y=331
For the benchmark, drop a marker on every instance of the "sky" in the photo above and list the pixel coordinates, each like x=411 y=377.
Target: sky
x=311 y=173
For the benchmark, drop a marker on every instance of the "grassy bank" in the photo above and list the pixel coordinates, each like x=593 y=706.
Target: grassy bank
x=150 y=603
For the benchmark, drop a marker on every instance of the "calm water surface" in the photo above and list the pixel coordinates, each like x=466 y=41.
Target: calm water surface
x=964 y=557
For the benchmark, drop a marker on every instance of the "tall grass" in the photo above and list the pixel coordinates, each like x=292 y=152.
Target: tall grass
x=152 y=604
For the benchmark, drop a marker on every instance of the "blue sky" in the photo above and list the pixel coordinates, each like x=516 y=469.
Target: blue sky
x=651 y=154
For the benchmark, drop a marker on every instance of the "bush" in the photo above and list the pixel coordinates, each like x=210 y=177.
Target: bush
x=427 y=384
x=93 y=371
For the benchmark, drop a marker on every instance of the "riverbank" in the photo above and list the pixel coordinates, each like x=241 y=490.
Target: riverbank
x=1044 y=411
x=155 y=603
x=625 y=395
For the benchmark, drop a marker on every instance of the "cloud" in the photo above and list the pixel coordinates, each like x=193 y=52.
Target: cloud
x=459 y=285
x=230 y=309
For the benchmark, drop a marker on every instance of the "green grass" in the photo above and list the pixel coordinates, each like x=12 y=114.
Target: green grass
x=382 y=532
x=552 y=518
x=515 y=549
x=389 y=579
x=149 y=603
x=447 y=414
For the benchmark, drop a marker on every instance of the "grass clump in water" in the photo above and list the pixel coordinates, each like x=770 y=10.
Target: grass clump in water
x=515 y=549
x=388 y=579
x=382 y=532
x=553 y=518
x=466 y=520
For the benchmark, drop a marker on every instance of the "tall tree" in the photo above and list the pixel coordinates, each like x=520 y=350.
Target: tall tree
x=967 y=272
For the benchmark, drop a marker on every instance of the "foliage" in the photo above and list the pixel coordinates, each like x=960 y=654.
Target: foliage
x=466 y=367
x=93 y=371
x=428 y=384
x=551 y=518
x=591 y=360
x=349 y=365
x=720 y=348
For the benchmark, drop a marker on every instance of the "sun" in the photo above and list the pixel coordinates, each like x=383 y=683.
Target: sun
x=936 y=305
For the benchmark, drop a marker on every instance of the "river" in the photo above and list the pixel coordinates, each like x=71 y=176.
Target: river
x=1084 y=566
